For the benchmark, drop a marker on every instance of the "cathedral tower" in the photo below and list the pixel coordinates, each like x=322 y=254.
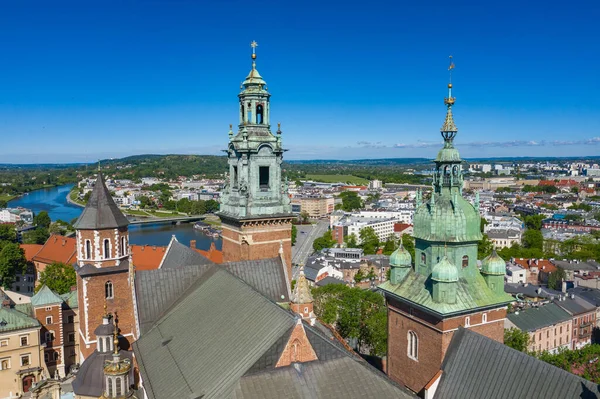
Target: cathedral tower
x=445 y=289
x=255 y=206
x=103 y=267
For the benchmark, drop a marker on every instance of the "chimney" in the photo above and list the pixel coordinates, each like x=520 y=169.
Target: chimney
x=193 y=244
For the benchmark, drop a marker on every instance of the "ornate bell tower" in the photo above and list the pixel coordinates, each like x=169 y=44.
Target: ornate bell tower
x=255 y=206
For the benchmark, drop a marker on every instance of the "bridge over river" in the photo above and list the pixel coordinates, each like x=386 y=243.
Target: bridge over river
x=165 y=220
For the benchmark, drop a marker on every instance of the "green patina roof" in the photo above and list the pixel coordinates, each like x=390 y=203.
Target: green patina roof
x=71 y=299
x=535 y=318
x=400 y=257
x=470 y=295
x=448 y=154
x=444 y=271
x=45 y=296
x=449 y=219
x=493 y=264
x=12 y=319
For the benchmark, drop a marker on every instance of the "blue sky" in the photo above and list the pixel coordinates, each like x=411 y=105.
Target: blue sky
x=86 y=80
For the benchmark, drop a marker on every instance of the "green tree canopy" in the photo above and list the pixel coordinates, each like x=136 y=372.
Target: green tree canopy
x=59 y=277
x=325 y=241
x=408 y=242
x=12 y=261
x=485 y=247
x=42 y=219
x=3 y=203
x=351 y=241
x=8 y=234
x=294 y=234
x=533 y=239
x=516 y=339
x=390 y=246
x=556 y=278
x=534 y=221
x=350 y=201
x=369 y=241
x=36 y=236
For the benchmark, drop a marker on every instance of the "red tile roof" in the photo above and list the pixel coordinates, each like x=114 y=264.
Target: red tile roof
x=147 y=257
x=31 y=250
x=57 y=249
x=213 y=254
x=398 y=227
x=544 y=265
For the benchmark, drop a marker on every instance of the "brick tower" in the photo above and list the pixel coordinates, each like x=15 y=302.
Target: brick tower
x=103 y=267
x=445 y=289
x=255 y=206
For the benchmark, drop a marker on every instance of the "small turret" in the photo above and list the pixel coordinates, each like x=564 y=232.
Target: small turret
x=445 y=277
x=493 y=269
x=400 y=263
x=116 y=372
x=302 y=300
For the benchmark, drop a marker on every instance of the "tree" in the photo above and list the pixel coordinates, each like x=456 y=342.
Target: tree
x=556 y=278
x=145 y=201
x=485 y=247
x=211 y=206
x=36 y=236
x=3 y=203
x=359 y=276
x=59 y=277
x=325 y=241
x=42 y=219
x=534 y=221
x=533 y=239
x=369 y=241
x=304 y=217
x=8 y=233
x=516 y=339
x=408 y=242
x=350 y=201
x=390 y=246
x=294 y=234
x=575 y=190
x=87 y=196
x=573 y=218
x=12 y=261
x=351 y=241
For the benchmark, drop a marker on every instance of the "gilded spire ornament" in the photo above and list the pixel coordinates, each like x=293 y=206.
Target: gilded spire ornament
x=449 y=128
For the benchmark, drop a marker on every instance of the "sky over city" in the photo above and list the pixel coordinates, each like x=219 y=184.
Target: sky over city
x=80 y=81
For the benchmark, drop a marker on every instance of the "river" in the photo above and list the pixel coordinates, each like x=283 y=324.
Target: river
x=54 y=201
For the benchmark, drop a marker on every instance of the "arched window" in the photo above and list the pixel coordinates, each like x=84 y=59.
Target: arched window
x=467 y=321
x=295 y=355
x=88 y=249
x=259 y=114
x=249 y=112
x=413 y=345
x=465 y=261
x=118 y=387
x=484 y=318
x=100 y=346
x=106 y=248
x=108 y=290
x=110 y=387
x=108 y=342
x=243 y=112
x=123 y=246
x=423 y=258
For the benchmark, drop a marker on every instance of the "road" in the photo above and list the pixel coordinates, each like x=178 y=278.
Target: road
x=304 y=242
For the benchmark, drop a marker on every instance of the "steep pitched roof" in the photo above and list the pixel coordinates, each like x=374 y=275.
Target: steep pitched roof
x=479 y=367
x=57 y=248
x=31 y=250
x=221 y=330
x=12 y=319
x=178 y=255
x=100 y=212
x=212 y=254
x=147 y=257
x=45 y=296
x=267 y=276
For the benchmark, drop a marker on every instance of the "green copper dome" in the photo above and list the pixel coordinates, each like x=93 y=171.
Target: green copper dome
x=400 y=257
x=447 y=219
x=444 y=271
x=448 y=154
x=493 y=264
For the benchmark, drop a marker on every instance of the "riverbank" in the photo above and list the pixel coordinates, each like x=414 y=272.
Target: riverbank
x=71 y=201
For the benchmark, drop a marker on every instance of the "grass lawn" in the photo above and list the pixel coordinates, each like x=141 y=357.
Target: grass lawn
x=338 y=178
x=6 y=197
x=164 y=214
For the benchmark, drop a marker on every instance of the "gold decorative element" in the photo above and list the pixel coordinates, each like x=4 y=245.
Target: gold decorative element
x=254 y=45
x=116 y=337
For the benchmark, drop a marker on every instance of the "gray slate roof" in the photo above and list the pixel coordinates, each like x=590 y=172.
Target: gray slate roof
x=591 y=295
x=221 y=331
x=101 y=212
x=178 y=255
x=576 y=305
x=479 y=367
x=267 y=276
x=535 y=318
x=338 y=378
x=575 y=265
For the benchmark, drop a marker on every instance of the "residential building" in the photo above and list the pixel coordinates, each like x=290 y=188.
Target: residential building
x=548 y=326
x=583 y=315
x=59 y=319
x=445 y=290
x=21 y=360
x=375 y=185
x=536 y=270
x=515 y=274
x=25 y=281
x=315 y=207
x=14 y=215
x=354 y=223
x=504 y=238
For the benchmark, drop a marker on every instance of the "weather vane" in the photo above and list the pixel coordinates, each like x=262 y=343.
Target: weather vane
x=450 y=68
x=254 y=45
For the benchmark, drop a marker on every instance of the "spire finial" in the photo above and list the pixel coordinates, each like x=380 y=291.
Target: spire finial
x=449 y=128
x=254 y=45
x=116 y=337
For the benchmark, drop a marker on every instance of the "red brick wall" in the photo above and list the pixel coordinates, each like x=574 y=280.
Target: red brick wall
x=91 y=309
x=298 y=349
x=56 y=344
x=434 y=337
x=253 y=241
x=109 y=234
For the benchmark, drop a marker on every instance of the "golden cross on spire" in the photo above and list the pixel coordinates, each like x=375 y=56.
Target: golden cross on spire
x=254 y=45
